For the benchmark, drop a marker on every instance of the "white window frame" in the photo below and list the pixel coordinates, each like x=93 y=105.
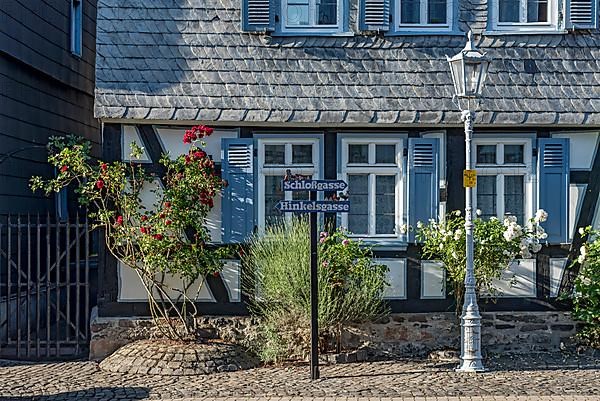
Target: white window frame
x=395 y=169
x=76 y=27
x=313 y=170
x=500 y=170
x=523 y=25
x=423 y=25
x=312 y=27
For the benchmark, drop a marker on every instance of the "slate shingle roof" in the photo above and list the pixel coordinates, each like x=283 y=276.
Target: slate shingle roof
x=189 y=60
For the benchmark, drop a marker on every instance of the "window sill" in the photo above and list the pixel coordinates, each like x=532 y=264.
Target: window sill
x=301 y=34
x=526 y=32
x=385 y=244
x=428 y=32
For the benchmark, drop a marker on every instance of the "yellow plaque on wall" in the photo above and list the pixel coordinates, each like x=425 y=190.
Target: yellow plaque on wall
x=469 y=178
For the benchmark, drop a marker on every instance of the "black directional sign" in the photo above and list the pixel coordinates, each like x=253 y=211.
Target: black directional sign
x=313 y=206
x=308 y=206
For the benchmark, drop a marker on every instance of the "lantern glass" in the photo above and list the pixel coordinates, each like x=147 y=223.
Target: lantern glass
x=457 y=68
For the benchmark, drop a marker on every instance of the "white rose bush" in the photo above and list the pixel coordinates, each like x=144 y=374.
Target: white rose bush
x=497 y=244
x=586 y=294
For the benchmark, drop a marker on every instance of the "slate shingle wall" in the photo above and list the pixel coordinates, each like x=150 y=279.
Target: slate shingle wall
x=189 y=60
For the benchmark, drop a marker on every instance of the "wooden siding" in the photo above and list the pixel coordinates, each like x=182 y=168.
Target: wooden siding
x=44 y=91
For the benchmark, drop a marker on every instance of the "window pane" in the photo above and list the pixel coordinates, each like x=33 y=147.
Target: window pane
x=508 y=10
x=273 y=194
x=385 y=154
x=385 y=211
x=514 y=196
x=436 y=12
x=297 y=12
x=358 y=153
x=513 y=154
x=358 y=217
x=274 y=154
x=327 y=12
x=486 y=195
x=302 y=154
x=537 y=11
x=486 y=154
x=410 y=12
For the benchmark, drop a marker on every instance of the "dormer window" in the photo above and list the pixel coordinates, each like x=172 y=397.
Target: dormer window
x=524 y=15
x=424 y=15
x=311 y=16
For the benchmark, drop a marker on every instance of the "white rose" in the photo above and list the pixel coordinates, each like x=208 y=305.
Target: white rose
x=581 y=231
x=419 y=224
x=493 y=218
x=541 y=215
x=478 y=212
x=536 y=247
x=544 y=236
x=581 y=259
x=525 y=254
x=457 y=234
x=583 y=251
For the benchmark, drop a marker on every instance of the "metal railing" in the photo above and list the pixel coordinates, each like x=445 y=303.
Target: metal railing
x=44 y=287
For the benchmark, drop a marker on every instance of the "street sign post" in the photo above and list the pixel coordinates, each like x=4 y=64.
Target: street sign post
x=313 y=206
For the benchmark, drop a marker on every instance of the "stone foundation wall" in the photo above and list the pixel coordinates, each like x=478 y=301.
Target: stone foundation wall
x=401 y=334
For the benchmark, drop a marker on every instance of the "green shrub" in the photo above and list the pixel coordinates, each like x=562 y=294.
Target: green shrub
x=351 y=288
x=586 y=297
x=497 y=243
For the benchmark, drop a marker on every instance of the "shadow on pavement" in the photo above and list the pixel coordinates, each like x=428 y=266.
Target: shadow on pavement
x=94 y=393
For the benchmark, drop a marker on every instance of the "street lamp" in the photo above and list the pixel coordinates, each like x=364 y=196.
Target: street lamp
x=469 y=70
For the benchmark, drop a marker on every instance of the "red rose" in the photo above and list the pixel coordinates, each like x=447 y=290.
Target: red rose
x=143 y=230
x=211 y=203
x=99 y=184
x=216 y=274
x=167 y=222
x=199 y=154
x=167 y=204
x=144 y=218
x=64 y=168
x=103 y=166
x=158 y=236
x=120 y=220
x=207 y=130
x=187 y=159
x=162 y=215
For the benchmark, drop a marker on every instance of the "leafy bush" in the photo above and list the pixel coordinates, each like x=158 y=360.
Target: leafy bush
x=351 y=288
x=586 y=297
x=169 y=238
x=497 y=243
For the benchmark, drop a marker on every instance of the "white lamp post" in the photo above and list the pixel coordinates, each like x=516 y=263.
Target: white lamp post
x=469 y=69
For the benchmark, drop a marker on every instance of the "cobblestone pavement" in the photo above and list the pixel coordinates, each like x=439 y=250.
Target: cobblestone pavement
x=517 y=379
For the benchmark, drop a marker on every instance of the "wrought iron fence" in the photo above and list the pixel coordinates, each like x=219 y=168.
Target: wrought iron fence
x=44 y=286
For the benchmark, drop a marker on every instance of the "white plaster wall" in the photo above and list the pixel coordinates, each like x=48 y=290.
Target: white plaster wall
x=583 y=147
x=171 y=141
x=433 y=280
x=130 y=134
x=557 y=269
x=132 y=290
x=576 y=195
x=396 y=277
x=518 y=280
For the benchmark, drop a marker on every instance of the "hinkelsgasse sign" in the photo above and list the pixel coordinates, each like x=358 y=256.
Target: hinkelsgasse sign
x=308 y=206
x=313 y=206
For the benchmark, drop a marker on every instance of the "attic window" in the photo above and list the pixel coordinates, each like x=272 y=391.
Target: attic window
x=311 y=16
x=524 y=15
x=419 y=15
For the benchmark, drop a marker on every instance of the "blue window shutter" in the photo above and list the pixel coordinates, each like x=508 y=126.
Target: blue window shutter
x=258 y=15
x=423 y=181
x=374 y=15
x=238 y=196
x=553 y=187
x=581 y=14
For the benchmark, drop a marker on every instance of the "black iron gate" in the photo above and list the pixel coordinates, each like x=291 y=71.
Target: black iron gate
x=44 y=287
